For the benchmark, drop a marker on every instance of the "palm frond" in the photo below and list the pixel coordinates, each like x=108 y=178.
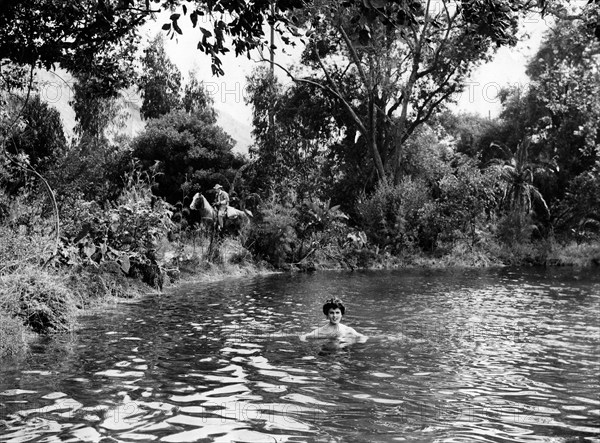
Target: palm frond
x=502 y=148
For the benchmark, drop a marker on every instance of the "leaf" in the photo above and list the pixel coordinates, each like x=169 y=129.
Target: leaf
x=364 y=36
x=174 y=17
x=194 y=18
x=84 y=232
x=177 y=28
x=166 y=26
x=379 y=4
x=89 y=250
x=125 y=264
x=73 y=258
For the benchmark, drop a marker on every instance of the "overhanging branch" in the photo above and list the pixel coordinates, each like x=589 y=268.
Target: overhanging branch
x=335 y=92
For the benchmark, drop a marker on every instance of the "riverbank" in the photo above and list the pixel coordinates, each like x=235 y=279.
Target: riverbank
x=34 y=301
x=463 y=255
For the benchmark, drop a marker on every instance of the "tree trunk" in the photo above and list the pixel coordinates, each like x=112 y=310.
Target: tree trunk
x=372 y=140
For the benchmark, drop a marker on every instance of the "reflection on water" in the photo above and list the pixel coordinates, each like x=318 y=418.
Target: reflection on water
x=454 y=356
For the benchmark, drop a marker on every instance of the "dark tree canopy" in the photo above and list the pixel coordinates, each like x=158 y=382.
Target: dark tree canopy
x=93 y=111
x=160 y=81
x=77 y=36
x=42 y=138
x=182 y=147
x=290 y=148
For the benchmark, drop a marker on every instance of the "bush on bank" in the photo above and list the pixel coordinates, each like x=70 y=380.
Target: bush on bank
x=42 y=300
x=102 y=252
x=287 y=232
x=13 y=335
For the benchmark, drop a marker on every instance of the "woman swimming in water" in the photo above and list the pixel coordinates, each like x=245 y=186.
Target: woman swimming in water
x=334 y=310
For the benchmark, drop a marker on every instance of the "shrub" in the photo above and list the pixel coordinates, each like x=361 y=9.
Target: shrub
x=272 y=237
x=360 y=256
x=129 y=232
x=413 y=215
x=26 y=212
x=12 y=335
x=92 y=170
x=578 y=213
x=185 y=147
x=288 y=233
x=18 y=249
x=515 y=228
x=391 y=216
x=40 y=299
x=466 y=198
x=42 y=138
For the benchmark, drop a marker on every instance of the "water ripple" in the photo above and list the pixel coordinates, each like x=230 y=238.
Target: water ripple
x=473 y=356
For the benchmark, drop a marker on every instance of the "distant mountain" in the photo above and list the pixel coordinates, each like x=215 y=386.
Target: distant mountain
x=238 y=130
x=56 y=89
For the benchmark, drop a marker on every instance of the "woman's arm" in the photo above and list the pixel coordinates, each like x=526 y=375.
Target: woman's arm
x=357 y=335
x=312 y=334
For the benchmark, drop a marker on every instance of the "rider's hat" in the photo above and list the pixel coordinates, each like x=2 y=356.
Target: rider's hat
x=218 y=186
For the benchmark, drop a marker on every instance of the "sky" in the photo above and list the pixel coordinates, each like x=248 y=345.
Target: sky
x=228 y=91
x=506 y=69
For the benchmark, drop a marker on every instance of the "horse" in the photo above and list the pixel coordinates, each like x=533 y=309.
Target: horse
x=234 y=219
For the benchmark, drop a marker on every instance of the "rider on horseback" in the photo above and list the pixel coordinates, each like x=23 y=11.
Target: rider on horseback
x=220 y=204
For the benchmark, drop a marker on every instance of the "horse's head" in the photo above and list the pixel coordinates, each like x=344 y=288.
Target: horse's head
x=196 y=200
x=200 y=203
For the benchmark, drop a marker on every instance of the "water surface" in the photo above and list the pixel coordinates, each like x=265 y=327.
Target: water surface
x=455 y=356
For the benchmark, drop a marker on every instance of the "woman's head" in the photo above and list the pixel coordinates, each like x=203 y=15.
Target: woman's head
x=333 y=303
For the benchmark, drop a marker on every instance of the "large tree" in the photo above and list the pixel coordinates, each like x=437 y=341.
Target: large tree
x=186 y=148
x=160 y=81
x=293 y=129
x=392 y=65
x=559 y=108
x=95 y=113
x=42 y=138
x=565 y=75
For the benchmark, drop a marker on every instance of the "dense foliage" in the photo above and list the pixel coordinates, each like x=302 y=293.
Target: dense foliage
x=43 y=139
x=292 y=136
x=83 y=37
x=160 y=81
x=183 y=148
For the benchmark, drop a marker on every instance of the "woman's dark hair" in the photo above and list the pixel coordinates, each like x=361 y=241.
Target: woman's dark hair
x=333 y=303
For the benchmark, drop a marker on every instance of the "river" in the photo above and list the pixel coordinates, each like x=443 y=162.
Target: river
x=503 y=355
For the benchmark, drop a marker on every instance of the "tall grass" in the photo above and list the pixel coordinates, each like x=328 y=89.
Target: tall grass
x=19 y=249
x=40 y=299
x=575 y=254
x=13 y=335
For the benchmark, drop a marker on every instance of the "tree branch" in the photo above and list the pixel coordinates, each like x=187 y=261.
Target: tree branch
x=325 y=88
x=422 y=115
x=442 y=44
x=355 y=57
